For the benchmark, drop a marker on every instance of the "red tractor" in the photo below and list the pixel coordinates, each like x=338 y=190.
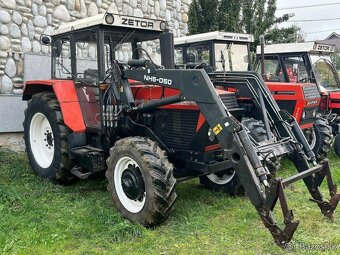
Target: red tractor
x=308 y=63
x=222 y=51
x=150 y=126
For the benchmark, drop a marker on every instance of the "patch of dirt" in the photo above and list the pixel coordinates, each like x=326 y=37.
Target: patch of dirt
x=12 y=141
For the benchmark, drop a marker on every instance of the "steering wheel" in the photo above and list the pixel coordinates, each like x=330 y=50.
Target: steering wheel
x=303 y=80
x=205 y=66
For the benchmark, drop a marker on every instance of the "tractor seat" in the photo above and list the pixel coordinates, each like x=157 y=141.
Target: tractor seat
x=91 y=75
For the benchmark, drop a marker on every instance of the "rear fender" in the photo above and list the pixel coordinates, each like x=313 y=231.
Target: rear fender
x=334 y=100
x=67 y=97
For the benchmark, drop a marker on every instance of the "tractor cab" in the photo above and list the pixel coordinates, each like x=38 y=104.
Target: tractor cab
x=84 y=52
x=308 y=62
x=215 y=51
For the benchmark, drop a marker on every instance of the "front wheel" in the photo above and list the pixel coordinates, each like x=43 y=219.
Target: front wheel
x=45 y=136
x=141 y=181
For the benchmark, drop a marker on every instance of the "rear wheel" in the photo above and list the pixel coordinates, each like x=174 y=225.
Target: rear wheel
x=45 y=136
x=320 y=138
x=141 y=181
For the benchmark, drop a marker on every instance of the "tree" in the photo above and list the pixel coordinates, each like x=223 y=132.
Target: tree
x=258 y=17
x=336 y=60
x=284 y=35
x=229 y=17
x=249 y=16
x=202 y=16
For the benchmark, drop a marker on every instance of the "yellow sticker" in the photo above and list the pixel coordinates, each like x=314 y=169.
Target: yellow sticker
x=217 y=129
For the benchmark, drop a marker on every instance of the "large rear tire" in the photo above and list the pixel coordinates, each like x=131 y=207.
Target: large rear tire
x=141 y=181
x=45 y=136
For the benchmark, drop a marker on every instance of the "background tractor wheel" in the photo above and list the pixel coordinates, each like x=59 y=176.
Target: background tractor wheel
x=324 y=138
x=227 y=181
x=258 y=132
x=337 y=145
x=141 y=181
x=256 y=129
x=320 y=137
x=45 y=136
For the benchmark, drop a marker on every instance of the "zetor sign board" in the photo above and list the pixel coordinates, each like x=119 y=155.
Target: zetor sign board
x=323 y=47
x=114 y=20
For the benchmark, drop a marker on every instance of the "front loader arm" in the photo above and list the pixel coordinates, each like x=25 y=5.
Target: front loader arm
x=195 y=85
x=251 y=85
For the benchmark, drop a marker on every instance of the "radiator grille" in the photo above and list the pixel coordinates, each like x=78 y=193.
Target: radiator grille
x=310 y=117
x=288 y=105
x=180 y=129
x=229 y=100
x=311 y=92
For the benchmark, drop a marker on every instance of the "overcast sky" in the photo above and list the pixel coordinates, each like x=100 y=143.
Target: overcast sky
x=321 y=12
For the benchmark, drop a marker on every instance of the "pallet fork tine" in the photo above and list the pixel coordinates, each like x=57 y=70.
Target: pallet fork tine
x=276 y=192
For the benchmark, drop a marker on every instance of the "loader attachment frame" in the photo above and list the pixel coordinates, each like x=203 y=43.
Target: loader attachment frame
x=240 y=152
x=251 y=85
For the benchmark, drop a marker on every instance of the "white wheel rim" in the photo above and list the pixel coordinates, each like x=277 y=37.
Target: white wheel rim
x=41 y=140
x=224 y=179
x=133 y=206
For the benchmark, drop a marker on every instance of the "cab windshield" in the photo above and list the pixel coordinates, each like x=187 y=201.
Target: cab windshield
x=231 y=57
x=325 y=74
x=225 y=56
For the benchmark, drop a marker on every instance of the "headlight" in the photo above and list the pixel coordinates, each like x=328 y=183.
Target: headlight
x=314 y=113
x=109 y=19
x=163 y=25
x=211 y=135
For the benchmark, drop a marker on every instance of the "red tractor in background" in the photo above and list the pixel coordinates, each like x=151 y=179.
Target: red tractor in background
x=307 y=63
x=219 y=52
x=150 y=125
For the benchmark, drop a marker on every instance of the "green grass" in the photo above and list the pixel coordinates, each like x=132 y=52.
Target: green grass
x=37 y=217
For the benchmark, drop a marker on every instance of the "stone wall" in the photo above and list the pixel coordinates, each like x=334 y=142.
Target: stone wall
x=23 y=21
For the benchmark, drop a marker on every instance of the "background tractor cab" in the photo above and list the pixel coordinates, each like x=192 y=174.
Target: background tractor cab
x=215 y=51
x=222 y=51
x=306 y=63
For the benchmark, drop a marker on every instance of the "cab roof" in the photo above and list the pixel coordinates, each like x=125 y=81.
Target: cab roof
x=312 y=47
x=215 y=36
x=121 y=21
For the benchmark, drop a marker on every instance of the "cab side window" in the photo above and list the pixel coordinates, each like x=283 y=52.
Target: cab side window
x=296 y=69
x=179 y=56
x=86 y=55
x=198 y=54
x=273 y=70
x=62 y=58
